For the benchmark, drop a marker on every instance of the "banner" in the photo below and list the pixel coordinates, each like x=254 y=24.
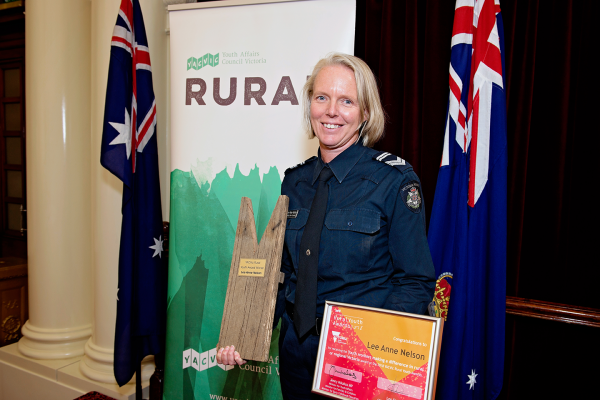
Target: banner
x=237 y=73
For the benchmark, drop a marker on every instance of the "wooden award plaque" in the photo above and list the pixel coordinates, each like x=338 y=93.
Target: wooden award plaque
x=253 y=282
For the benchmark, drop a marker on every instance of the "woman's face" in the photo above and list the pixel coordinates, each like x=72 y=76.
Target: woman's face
x=334 y=109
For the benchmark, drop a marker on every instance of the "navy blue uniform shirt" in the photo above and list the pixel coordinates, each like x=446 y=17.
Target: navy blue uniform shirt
x=373 y=249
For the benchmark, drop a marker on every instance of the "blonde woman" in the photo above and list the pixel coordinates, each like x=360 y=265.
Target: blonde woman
x=356 y=223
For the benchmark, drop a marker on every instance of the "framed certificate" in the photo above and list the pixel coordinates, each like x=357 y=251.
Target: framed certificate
x=370 y=353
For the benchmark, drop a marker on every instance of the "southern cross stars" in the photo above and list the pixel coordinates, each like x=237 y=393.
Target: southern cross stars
x=158 y=247
x=472 y=380
x=124 y=136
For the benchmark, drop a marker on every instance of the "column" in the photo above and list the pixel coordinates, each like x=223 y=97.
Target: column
x=97 y=363
x=58 y=178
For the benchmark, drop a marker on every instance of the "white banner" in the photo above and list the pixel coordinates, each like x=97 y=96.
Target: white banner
x=275 y=44
x=237 y=73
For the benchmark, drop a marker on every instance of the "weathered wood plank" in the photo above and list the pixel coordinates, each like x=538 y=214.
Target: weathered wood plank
x=250 y=300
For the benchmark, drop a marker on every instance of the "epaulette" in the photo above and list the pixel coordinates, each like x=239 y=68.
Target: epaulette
x=392 y=160
x=300 y=164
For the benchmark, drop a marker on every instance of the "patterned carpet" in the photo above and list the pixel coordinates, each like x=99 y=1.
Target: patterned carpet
x=94 y=396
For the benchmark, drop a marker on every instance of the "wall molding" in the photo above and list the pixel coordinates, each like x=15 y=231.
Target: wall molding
x=553 y=311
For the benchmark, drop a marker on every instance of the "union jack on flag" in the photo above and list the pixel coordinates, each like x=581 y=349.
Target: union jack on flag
x=129 y=151
x=467 y=233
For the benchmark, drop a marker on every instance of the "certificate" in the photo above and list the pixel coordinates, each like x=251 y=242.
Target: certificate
x=371 y=353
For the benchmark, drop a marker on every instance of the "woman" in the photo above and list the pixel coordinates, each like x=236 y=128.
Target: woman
x=366 y=208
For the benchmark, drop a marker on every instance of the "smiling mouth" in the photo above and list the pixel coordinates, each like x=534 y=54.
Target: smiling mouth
x=331 y=126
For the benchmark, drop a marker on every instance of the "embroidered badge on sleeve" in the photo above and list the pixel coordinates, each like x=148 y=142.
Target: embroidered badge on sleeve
x=411 y=195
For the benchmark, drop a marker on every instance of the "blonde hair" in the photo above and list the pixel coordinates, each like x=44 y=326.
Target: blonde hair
x=368 y=96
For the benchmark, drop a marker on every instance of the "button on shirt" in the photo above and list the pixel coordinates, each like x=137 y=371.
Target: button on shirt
x=373 y=249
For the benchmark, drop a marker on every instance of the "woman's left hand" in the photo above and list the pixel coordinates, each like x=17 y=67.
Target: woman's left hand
x=228 y=356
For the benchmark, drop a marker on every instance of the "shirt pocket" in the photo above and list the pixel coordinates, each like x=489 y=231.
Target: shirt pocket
x=352 y=233
x=292 y=234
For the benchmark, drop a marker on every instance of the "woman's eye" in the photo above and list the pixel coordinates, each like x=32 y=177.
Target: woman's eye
x=347 y=102
x=320 y=98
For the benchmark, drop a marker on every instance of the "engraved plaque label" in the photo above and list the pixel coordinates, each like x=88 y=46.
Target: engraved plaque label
x=252 y=267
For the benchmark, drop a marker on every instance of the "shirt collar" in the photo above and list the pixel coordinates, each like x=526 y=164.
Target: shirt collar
x=342 y=163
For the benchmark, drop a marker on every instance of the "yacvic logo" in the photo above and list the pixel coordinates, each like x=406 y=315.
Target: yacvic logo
x=202 y=361
x=199 y=63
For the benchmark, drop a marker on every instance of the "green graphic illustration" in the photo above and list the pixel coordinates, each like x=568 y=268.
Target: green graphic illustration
x=203 y=222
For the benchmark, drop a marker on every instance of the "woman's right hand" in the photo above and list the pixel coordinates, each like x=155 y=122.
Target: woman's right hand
x=228 y=356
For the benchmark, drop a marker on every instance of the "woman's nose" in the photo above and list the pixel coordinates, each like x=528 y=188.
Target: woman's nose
x=332 y=109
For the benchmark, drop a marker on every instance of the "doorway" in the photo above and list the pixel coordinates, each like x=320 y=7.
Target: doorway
x=13 y=205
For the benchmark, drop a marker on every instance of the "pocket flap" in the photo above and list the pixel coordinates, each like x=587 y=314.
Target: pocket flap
x=357 y=220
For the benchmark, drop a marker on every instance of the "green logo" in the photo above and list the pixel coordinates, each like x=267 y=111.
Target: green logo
x=207 y=59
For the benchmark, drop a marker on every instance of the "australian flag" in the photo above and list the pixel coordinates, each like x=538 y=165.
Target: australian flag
x=129 y=151
x=467 y=233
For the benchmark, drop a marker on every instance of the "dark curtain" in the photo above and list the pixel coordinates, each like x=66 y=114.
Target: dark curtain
x=552 y=102
x=552 y=105
x=407 y=45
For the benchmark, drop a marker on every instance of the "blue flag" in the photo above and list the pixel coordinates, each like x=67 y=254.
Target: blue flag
x=129 y=151
x=467 y=233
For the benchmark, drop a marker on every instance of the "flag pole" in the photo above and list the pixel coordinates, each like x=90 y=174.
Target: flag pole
x=138 y=382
